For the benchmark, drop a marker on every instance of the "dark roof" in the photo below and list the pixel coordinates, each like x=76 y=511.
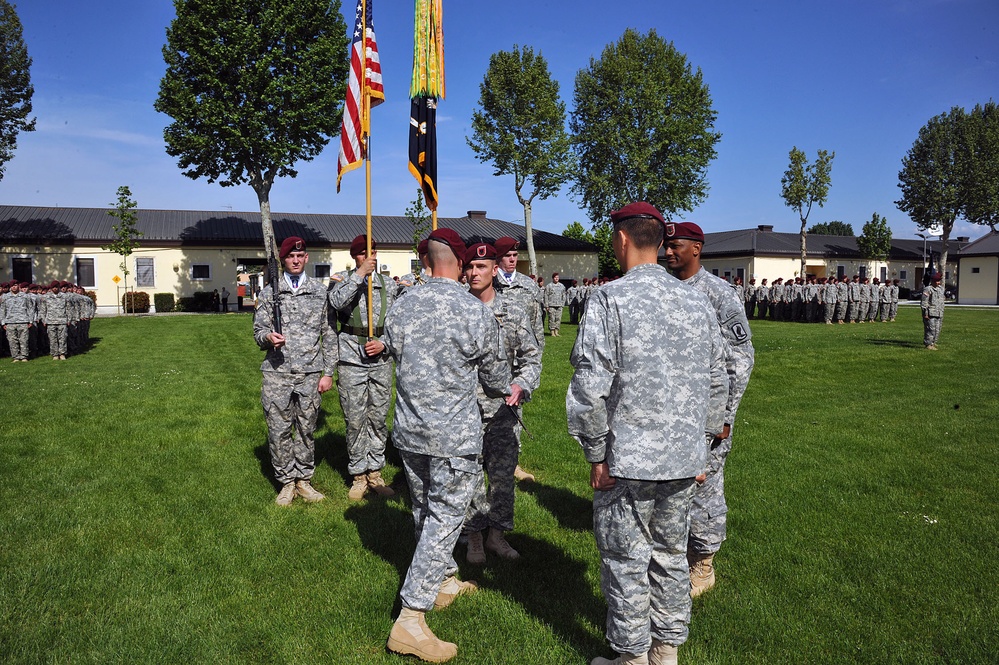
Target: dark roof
x=987 y=245
x=92 y=227
x=759 y=242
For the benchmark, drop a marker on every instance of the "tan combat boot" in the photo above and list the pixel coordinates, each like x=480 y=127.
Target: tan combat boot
x=377 y=484
x=450 y=589
x=702 y=573
x=622 y=659
x=662 y=653
x=359 y=488
x=411 y=635
x=286 y=495
x=475 y=554
x=498 y=545
x=520 y=474
x=308 y=492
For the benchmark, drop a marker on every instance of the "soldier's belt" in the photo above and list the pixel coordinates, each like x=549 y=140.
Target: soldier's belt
x=360 y=332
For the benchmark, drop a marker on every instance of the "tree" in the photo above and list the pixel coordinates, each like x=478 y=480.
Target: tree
x=643 y=128
x=834 y=228
x=520 y=128
x=982 y=180
x=253 y=86
x=602 y=237
x=875 y=240
x=804 y=185
x=419 y=217
x=15 y=84
x=126 y=235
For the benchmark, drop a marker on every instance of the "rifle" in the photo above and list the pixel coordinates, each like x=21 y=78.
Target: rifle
x=273 y=274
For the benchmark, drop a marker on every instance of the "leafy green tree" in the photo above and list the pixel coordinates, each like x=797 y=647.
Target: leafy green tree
x=981 y=183
x=420 y=217
x=15 y=84
x=643 y=128
x=803 y=185
x=834 y=228
x=602 y=237
x=875 y=240
x=126 y=235
x=253 y=86
x=520 y=128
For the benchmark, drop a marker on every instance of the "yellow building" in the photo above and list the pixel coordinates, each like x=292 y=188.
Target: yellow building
x=978 y=271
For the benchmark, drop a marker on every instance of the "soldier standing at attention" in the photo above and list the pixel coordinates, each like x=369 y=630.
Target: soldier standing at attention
x=364 y=372
x=649 y=381
x=872 y=316
x=854 y=300
x=864 y=304
x=932 y=305
x=17 y=314
x=708 y=514
x=829 y=297
x=885 y=301
x=762 y=300
x=55 y=314
x=842 y=298
x=893 y=309
x=750 y=297
x=438 y=429
x=297 y=370
x=554 y=298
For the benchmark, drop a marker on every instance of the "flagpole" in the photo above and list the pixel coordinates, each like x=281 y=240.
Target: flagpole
x=366 y=133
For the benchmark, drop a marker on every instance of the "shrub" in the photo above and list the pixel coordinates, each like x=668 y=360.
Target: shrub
x=164 y=302
x=200 y=301
x=135 y=301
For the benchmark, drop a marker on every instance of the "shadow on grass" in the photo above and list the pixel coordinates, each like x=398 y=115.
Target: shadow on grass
x=570 y=511
x=385 y=528
x=901 y=343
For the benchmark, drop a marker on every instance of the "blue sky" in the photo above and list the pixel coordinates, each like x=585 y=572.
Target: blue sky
x=856 y=77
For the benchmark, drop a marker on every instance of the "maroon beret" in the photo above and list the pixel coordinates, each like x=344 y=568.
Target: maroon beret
x=936 y=277
x=480 y=251
x=55 y=284
x=505 y=245
x=451 y=239
x=422 y=247
x=291 y=244
x=684 y=231
x=360 y=245
x=639 y=209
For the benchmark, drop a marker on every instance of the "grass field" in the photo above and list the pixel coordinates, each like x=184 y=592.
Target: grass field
x=137 y=522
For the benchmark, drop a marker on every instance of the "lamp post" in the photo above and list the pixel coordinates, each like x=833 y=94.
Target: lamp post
x=924 y=237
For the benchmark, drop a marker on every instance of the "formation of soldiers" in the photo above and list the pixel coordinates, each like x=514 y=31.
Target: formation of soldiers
x=826 y=299
x=44 y=320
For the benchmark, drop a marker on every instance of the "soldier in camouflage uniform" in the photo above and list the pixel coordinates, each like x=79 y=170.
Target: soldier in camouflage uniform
x=864 y=303
x=412 y=280
x=750 y=297
x=18 y=315
x=298 y=368
x=853 y=299
x=438 y=429
x=708 y=514
x=501 y=423
x=842 y=298
x=554 y=300
x=55 y=314
x=884 y=309
x=649 y=382
x=762 y=300
x=932 y=306
x=893 y=309
x=364 y=372
x=872 y=316
x=830 y=295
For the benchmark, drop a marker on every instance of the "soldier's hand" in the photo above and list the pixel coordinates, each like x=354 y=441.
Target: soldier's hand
x=367 y=266
x=277 y=340
x=701 y=478
x=373 y=347
x=724 y=434
x=325 y=384
x=516 y=394
x=600 y=478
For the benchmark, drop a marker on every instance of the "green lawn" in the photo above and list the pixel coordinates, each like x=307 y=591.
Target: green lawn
x=137 y=522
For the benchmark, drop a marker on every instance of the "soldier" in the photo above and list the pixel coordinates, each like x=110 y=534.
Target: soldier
x=893 y=309
x=872 y=316
x=885 y=301
x=572 y=300
x=864 y=303
x=297 y=370
x=708 y=514
x=438 y=430
x=364 y=372
x=932 y=306
x=842 y=298
x=55 y=314
x=829 y=297
x=554 y=300
x=501 y=423
x=762 y=300
x=740 y=291
x=18 y=315
x=410 y=280
x=853 y=300
x=649 y=382
x=750 y=297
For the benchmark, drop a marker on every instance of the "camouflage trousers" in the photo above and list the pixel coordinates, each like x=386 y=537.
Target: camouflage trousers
x=830 y=311
x=709 y=512
x=57 y=339
x=931 y=330
x=17 y=337
x=291 y=408
x=873 y=314
x=641 y=532
x=440 y=489
x=500 y=449
x=841 y=308
x=851 y=310
x=862 y=310
x=892 y=311
x=365 y=393
x=554 y=318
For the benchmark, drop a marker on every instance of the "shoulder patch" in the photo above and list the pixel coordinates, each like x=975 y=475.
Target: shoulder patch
x=739 y=331
x=336 y=278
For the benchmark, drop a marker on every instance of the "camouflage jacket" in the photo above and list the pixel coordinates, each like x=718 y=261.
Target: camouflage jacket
x=829 y=293
x=439 y=366
x=650 y=377
x=932 y=302
x=349 y=300
x=311 y=344
x=523 y=351
x=855 y=292
x=554 y=295
x=55 y=308
x=524 y=290
x=842 y=292
x=18 y=308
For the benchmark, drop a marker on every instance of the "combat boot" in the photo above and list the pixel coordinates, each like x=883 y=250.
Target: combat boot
x=308 y=492
x=498 y=545
x=520 y=474
x=411 y=635
x=662 y=653
x=622 y=659
x=286 y=495
x=702 y=573
x=475 y=554
x=450 y=589
x=359 y=488
x=377 y=484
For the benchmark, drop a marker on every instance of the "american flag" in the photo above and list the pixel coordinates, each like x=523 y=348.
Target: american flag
x=355 y=125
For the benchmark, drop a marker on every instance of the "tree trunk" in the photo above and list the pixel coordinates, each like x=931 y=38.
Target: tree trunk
x=262 y=187
x=529 y=233
x=804 y=251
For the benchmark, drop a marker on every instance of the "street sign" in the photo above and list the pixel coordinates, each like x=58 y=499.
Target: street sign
x=116 y=279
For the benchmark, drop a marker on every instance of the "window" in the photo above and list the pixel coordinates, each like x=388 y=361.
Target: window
x=728 y=275
x=414 y=266
x=20 y=268
x=201 y=271
x=840 y=272
x=884 y=274
x=863 y=272
x=947 y=275
x=740 y=273
x=903 y=275
x=975 y=271
x=86 y=274
x=322 y=271
x=144 y=275
x=714 y=271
